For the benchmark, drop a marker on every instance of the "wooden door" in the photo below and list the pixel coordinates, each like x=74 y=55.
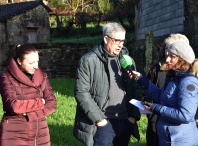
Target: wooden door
x=32 y=35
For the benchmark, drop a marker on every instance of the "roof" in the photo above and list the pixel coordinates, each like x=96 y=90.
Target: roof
x=10 y=10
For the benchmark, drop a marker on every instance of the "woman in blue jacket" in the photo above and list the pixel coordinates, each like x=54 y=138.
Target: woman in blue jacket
x=178 y=98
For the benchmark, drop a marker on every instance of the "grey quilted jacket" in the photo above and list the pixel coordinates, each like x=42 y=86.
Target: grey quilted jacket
x=91 y=93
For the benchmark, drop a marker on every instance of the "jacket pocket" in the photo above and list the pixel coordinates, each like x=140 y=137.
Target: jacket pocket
x=176 y=133
x=94 y=130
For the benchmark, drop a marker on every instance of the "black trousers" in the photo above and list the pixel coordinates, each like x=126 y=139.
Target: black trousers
x=151 y=133
x=114 y=133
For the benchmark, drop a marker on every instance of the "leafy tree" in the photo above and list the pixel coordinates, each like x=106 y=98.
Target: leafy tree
x=104 y=6
x=125 y=9
x=56 y=3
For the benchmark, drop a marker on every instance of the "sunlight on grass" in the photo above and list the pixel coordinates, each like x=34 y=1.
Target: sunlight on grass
x=61 y=122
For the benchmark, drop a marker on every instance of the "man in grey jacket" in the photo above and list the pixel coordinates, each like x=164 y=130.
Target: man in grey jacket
x=104 y=116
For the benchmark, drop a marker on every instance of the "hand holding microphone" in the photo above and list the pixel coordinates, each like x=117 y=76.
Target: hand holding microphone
x=126 y=62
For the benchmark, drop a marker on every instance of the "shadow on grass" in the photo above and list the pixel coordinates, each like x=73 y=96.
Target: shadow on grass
x=63 y=136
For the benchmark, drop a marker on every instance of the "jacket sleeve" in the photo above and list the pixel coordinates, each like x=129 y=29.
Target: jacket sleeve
x=150 y=89
x=50 y=103
x=186 y=106
x=10 y=102
x=82 y=92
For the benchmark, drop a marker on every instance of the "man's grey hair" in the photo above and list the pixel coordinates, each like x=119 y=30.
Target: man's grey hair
x=110 y=28
x=176 y=37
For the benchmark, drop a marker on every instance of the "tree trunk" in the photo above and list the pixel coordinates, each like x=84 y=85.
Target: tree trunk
x=74 y=18
x=57 y=19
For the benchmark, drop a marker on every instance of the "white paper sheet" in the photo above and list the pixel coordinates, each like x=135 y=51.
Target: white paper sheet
x=142 y=109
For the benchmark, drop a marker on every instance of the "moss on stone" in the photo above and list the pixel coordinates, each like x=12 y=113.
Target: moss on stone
x=148 y=52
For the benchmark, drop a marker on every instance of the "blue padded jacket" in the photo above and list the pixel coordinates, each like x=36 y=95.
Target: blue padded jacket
x=178 y=104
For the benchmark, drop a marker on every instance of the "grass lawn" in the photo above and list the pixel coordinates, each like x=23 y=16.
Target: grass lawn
x=62 y=120
x=92 y=34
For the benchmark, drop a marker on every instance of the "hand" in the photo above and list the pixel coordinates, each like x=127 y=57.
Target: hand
x=137 y=74
x=146 y=98
x=132 y=120
x=102 y=122
x=147 y=105
x=43 y=100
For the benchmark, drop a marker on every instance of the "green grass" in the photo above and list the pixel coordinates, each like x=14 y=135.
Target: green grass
x=61 y=122
x=92 y=33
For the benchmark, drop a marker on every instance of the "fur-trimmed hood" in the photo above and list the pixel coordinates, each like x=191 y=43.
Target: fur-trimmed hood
x=194 y=68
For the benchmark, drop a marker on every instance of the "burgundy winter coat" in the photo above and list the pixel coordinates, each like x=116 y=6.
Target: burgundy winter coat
x=21 y=96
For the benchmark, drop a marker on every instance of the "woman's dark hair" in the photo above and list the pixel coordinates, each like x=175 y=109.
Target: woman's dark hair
x=22 y=50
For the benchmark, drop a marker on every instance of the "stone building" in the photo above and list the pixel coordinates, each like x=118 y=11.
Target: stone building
x=46 y=2
x=25 y=22
x=156 y=20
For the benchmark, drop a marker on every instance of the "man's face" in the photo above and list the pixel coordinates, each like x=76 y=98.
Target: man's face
x=114 y=43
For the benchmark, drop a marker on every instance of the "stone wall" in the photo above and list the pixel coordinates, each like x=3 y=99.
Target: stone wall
x=160 y=16
x=163 y=18
x=61 y=59
x=35 y=18
x=14 y=31
x=56 y=59
x=191 y=22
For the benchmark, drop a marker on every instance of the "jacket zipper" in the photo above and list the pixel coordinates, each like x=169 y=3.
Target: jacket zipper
x=13 y=120
x=37 y=119
x=36 y=131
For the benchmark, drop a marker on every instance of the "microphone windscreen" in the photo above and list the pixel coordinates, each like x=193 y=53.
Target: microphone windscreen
x=125 y=61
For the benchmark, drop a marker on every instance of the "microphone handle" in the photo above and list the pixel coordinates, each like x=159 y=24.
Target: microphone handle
x=130 y=70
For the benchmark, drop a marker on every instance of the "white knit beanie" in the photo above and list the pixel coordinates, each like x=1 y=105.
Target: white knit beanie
x=182 y=50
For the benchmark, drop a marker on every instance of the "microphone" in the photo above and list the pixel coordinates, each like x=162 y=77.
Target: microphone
x=126 y=62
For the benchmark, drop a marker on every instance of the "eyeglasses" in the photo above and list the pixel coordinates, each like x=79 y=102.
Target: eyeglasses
x=117 y=42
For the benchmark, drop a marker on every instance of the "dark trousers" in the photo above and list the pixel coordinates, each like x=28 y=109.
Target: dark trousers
x=151 y=134
x=114 y=133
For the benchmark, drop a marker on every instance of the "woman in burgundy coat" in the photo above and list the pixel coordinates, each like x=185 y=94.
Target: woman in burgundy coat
x=27 y=98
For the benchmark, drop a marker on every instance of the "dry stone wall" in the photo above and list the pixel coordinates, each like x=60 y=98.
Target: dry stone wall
x=15 y=30
x=61 y=59
x=35 y=18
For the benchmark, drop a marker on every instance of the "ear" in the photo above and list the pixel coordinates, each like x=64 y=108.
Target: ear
x=105 y=39
x=18 y=60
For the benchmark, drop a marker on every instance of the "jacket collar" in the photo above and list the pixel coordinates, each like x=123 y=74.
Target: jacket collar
x=37 y=77
x=98 y=50
x=177 y=73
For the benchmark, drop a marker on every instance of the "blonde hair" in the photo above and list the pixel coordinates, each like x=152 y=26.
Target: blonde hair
x=194 y=68
x=176 y=37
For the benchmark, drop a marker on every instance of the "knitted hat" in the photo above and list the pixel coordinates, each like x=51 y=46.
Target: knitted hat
x=182 y=50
